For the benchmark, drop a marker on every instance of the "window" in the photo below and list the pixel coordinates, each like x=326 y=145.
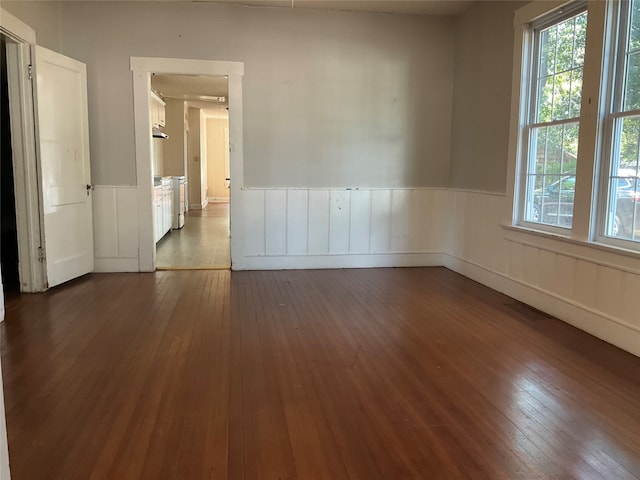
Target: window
x=553 y=121
x=622 y=188
x=578 y=131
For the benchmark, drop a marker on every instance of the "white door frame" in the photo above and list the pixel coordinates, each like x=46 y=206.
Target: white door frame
x=142 y=68
x=26 y=170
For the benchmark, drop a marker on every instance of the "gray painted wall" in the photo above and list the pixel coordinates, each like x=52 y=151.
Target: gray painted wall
x=331 y=99
x=174 y=145
x=43 y=17
x=481 y=104
x=194 y=159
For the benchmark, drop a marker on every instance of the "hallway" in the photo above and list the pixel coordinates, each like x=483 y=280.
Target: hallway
x=203 y=242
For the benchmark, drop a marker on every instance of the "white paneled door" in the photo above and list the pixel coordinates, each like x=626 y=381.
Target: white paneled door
x=63 y=136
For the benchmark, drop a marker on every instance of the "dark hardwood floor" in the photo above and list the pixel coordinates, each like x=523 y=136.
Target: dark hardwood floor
x=359 y=374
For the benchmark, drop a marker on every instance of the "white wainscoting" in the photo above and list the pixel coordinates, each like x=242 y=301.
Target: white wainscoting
x=115 y=228
x=592 y=289
x=595 y=290
x=342 y=228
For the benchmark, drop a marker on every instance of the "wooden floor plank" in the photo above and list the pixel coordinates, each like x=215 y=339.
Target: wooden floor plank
x=337 y=374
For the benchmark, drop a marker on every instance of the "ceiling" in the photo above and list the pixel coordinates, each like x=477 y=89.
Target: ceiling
x=413 y=7
x=197 y=90
x=190 y=87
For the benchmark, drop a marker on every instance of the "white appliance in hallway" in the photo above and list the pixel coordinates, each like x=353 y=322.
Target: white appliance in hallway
x=179 y=201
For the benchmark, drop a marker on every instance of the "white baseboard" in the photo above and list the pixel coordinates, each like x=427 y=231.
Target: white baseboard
x=217 y=199
x=294 y=262
x=112 y=265
x=598 y=324
x=198 y=206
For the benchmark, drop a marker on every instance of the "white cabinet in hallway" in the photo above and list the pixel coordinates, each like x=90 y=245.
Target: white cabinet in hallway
x=167 y=206
x=157 y=212
x=162 y=208
x=157 y=105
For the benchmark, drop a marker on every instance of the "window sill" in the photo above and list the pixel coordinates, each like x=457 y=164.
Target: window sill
x=602 y=254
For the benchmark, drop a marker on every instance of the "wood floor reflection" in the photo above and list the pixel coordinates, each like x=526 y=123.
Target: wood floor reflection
x=405 y=373
x=203 y=242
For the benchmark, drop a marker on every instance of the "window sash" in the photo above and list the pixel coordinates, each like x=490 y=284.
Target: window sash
x=619 y=208
x=527 y=205
x=553 y=208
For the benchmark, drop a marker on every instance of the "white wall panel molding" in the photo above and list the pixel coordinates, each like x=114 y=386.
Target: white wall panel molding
x=339 y=221
x=297 y=218
x=590 y=288
x=363 y=189
x=115 y=227
x=116 y=265
x=318 y=223
x=293 y=262
x=606 y=256
x=336 y=222
x=360 y=222
x=479 y=192
x=275 y=221
x=254 y=222
x=380 y=221
x=618 y=332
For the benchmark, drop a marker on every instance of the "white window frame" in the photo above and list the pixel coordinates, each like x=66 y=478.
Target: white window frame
x=614 y=70
x=531 y=56
x=592 y=115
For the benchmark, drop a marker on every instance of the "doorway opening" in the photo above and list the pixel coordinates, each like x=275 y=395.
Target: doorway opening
x=9 y=241
x=21 y=193
x=190 y=162
x=142 y=69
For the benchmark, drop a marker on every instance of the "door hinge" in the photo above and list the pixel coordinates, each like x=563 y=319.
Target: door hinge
x=30 y=71
x=41 y=254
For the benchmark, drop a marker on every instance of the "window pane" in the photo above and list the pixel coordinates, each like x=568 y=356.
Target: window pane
x=632 y=84
x=634 y=41
x=629 y=139
x=545 y=99
x=539 y=143
x=576 y=93
x=623 y=219
x=580 y=39
x=564 y=45
x=559 y=82
x=624 y=196
x=551 y=180
x=562 y=96
x=547 y=52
